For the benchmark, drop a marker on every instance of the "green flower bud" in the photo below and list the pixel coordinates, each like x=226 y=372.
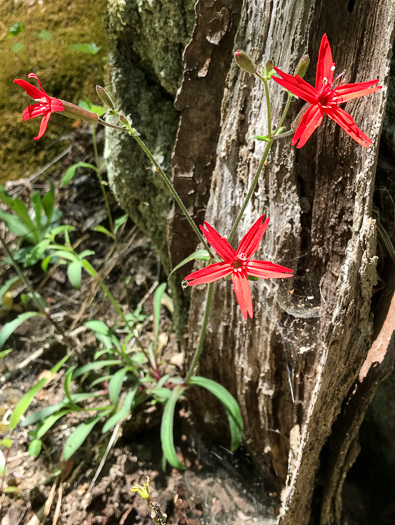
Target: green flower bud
x=245 y=62
x=302 y=66
x=269 y=66
x=105 y=97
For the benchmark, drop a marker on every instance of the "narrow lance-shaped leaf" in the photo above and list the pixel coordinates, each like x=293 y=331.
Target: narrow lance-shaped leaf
x=166 y=429
x=79 y=435
x=202 y=255
x=230 y=404
x=157 y=303
x=23 y=404
x=10 y=327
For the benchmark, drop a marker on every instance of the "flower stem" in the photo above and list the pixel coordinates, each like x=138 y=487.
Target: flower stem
x=252 y=188
x=109 y=216
x=169 y=185
x=203 y=330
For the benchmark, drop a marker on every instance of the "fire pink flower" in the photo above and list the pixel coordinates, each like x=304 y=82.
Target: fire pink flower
x=45 y=105
x=238 y=264
x=325 y=97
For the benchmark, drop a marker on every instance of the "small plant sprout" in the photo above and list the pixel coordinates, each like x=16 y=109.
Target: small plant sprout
x=157 y=516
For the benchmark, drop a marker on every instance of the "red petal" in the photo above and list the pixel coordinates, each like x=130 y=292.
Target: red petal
x=43 y=126
x=33 y=111
x=267 y=270
x=32 y=75
x=220 y=244
x=346 y=122
x=32 y=91
x=297 y=86
x=351 y=91
x=251 y=240
x=325 y=65
x=309 y=123
x=209 y=274
x=243 y=293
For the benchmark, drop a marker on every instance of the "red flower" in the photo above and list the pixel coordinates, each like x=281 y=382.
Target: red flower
x=238 y=263
x=324 y=98
x=45 y=105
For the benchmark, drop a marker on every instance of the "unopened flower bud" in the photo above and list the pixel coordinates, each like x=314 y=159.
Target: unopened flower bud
x=269 y=66
x=245 y=62
x=123 y=119
x=75 y=112
x=105 y=97
x=302 y=66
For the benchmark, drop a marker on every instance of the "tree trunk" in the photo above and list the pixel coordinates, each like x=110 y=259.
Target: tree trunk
x=304 y=368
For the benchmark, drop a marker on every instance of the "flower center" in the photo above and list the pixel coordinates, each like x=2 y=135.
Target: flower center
x=240 y=262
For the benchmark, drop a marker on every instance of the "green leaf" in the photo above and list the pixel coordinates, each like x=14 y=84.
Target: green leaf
x=95 y=366
x=45 y=35
x=162 y=393
x=10 y=327
x=14 y=224
x=202 y=255
x=74 y=274
x=157 y=303
x=5 y=352
x=3 y=464
x=15 y=29
x=89 y=268
x=7 y=285
x=118 y=222
x=24 y=403
x=115 y=385
x=66 y=386
x=17 y=47
x=166 y=429
x=79 y=435
x=127 y=406
x=98 y=326
x=35 y=447
x=88 y=106
x=10 y=489
x=49 y=422
x=89 y=49
x=37 y=208
x=102 y=229
x=230 y=404
x=265 y=138
x=44 y=413
x=69 y=174
x=48 y=203
x=6 y=442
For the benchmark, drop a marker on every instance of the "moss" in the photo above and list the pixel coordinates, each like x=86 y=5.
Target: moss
x=63 y=72
x=147 y=38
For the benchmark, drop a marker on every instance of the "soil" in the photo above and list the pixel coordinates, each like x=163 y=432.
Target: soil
x=218 y=487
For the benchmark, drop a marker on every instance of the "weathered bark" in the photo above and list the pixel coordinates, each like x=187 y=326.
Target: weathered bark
x=320 y=203
x=315 y=331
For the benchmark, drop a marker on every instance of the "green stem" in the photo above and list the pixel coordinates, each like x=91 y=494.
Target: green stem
x=169 y=185
x=103 y=190
x=290 y=96
x=23 y=278
x=109 y=216
x=118 y=309
x=252 y=188
x=203 y=330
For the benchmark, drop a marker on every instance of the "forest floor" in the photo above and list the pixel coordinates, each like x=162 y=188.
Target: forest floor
x=217 y=487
